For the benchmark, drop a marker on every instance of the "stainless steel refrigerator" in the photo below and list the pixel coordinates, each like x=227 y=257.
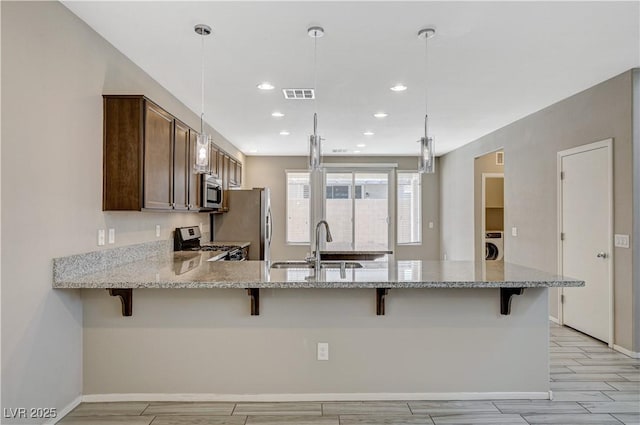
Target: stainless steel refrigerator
x=248 y=220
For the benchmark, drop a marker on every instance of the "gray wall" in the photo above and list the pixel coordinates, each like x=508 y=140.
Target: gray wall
x=531 y=145
x=635 y=238
x=269 y=171
x=205 y=342
x=54 y=72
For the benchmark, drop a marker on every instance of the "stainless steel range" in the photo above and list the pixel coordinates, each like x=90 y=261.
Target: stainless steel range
x=188 y=239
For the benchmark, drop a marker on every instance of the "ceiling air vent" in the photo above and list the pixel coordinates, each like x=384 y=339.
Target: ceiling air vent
x=339 y=150
x=299 y=94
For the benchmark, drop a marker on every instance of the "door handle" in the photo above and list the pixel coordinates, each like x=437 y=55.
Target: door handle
x=602 y=255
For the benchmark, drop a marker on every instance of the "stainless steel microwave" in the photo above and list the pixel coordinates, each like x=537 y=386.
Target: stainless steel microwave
x=211 y=192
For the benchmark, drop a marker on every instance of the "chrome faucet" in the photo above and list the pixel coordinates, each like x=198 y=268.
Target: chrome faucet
x=316 y=258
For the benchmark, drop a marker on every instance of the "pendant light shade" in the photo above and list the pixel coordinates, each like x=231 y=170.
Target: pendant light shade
x=315 y=141
x=426 y=161
x=315 y=149
x=203 y=141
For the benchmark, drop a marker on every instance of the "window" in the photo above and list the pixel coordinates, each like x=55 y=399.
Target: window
x=357 y=209
x=298 y=207
x=409 y=202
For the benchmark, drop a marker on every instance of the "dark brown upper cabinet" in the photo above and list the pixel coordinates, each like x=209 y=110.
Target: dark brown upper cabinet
x=239 y=174
x=233 y=169
x=195 y=181
x=225 y=161
x=158 y=158
x=181 y=166
x=148 y=157
x=214 y=161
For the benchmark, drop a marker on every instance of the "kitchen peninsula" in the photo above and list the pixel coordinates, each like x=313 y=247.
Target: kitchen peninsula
x=439 y=314
x=202 y=271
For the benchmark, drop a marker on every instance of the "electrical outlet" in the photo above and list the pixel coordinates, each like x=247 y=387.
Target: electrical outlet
x=621 y=241
x=100 y=237
x=157 y=230
x=112 y=235
x=323 y=351
x=514 y=231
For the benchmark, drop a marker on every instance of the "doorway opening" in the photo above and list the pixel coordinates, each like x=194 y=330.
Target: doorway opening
x=489 y=208
x=493 y=216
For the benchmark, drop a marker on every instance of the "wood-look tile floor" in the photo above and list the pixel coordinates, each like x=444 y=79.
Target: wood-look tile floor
x=591 y=385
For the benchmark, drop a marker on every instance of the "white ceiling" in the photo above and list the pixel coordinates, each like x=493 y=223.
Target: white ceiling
x=490 y=64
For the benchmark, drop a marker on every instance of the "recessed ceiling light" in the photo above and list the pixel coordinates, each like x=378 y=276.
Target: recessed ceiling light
x=361 y=145
x=368 y=133
x=265 y=86
x=253 y=150
x=399 y=87
x=356 y=151
x=380 y=115
x=277 y=114
x=284 y=133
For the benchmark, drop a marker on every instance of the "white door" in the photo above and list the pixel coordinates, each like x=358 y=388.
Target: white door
x=586 y=228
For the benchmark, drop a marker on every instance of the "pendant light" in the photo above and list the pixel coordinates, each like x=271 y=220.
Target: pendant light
x=315 y=141
x=203 y=141
x=426 y=162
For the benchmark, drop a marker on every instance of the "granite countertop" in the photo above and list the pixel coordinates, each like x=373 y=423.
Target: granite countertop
x=196 y=270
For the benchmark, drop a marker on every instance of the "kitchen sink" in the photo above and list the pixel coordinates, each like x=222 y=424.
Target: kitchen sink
x=308 y=265
x=292 y=265
x=339 y=264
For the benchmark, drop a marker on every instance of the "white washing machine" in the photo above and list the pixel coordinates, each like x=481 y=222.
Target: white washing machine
x=494 y=246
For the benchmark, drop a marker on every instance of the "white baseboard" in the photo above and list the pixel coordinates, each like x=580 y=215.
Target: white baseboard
x=554 y=320
x=542 y=395
x=632 y=354
x=64 y=411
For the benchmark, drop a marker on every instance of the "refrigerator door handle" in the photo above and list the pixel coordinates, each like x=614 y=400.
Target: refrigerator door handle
x=270 y=226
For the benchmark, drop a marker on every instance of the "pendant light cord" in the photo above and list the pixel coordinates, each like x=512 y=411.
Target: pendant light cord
x=426 y=83
x=202 y=85
x=315 y=70
x=315 y=83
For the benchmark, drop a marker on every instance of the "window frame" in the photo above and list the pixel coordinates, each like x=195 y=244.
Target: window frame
x=286 y=207
x=420 y=240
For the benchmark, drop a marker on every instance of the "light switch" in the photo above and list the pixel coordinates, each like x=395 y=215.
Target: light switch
x=431 y=225
x=157 y=230
x=112 y=235
x=514 y=231
x=621 y=241
x=100 y=237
